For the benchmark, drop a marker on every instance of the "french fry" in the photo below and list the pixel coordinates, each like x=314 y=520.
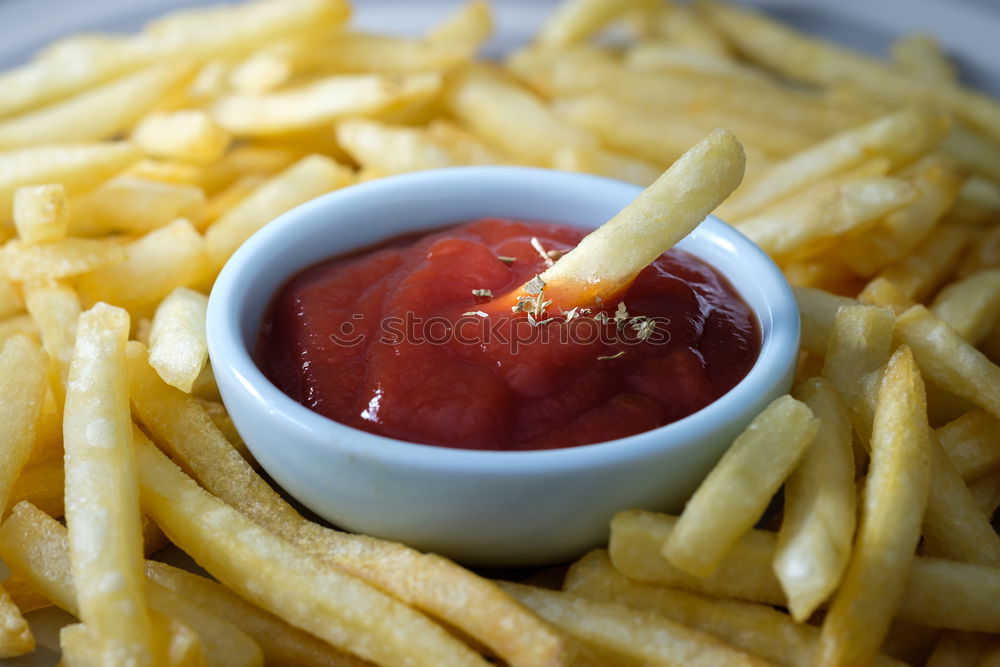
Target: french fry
x=55 y=307
x=632 y=129
x=134 y=206
x=57 y=260
x=391 y=149
x=972 y=442
x=163 y=259
x=743 y=481
x=37 y=549
x=813 y=61
x=189 y=34
x=938 y=593
x=902 y=137
x=883 y=292
x=18 y=324
x=310 y=177
x=23 y=369
x=607 y=163
x=937 y=180
x=971 y=306
x=11 y=302
x=360 y=52
x=94 y=115
x=101 y=489
x=895 y=494
x=575 y=20
x=428 y=582
x=76 y=167
x=40 y=213
x=644 y=637
x=322 y=102
x=986 y=491
x=656 y=55
x=604 y=263
x=509 y=116
x=811 y=222
x=467 y=28
x=955 y=526
x=178 y=348
x=181 y=135
x=41 y=484
x=921 y=57
x=814 y=542
x=754 y=628
x=276 y=575
x=281 y=643
x=920 y=272
x=817 y=312
x=949 y=360
x=860 y=343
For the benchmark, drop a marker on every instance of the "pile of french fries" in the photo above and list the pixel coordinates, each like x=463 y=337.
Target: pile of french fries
x=131 y=167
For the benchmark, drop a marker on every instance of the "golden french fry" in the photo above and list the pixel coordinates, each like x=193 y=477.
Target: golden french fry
x=76 y=167
x=860 y=343
x=163 y=259
x=310 y=177
x=59 y=259
x=182 y=135
x=902 y=137
x=15 y=635
x=884 y=293
x=737 y=491
x=322 y=102
x=604 y=263
x=197 y=33
x=809 y=223
x=36 y=547
x=41 y=484
x=954 y=525
x=575 y=20
x=921 y=57
x=817 y=311
x=655 y=55
x=360 y=52
x=920 y=272
x=467 y=28
x=101 y=489
x=40 y=213
x=429 y=582
x=178 y=348
x=814 y=542
x=391 y=149
x=273 y=573
x=972 y=442
x=754 y=628
x=895 y=496
x=986 y=491
x=55 y=308
x=23 y=371
x=642 y=636
x=971 y=306
x=955 y=649
x=94 y=115
x=938 y=593
x=134 y=206
x=509 y=116
x=282 y=644
x=607 y=163
x=800 y=57
x=949 y=360
x=937 y=181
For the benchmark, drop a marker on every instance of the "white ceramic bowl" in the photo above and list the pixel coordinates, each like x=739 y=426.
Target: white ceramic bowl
x=484 y=508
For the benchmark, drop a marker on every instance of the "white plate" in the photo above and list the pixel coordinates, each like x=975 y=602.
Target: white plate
x=968 y=29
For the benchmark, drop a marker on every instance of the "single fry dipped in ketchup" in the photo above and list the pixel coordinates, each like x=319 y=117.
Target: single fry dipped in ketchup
x=605 y=263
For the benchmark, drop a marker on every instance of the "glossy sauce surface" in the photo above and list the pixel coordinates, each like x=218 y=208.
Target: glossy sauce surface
x=393 y=340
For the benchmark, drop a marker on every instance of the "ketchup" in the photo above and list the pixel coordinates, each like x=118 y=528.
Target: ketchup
x=411 y=340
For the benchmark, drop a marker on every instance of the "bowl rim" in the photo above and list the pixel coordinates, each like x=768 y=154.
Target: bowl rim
x=231 y=355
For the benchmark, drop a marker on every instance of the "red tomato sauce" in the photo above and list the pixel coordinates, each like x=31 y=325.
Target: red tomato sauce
x=392 y=340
